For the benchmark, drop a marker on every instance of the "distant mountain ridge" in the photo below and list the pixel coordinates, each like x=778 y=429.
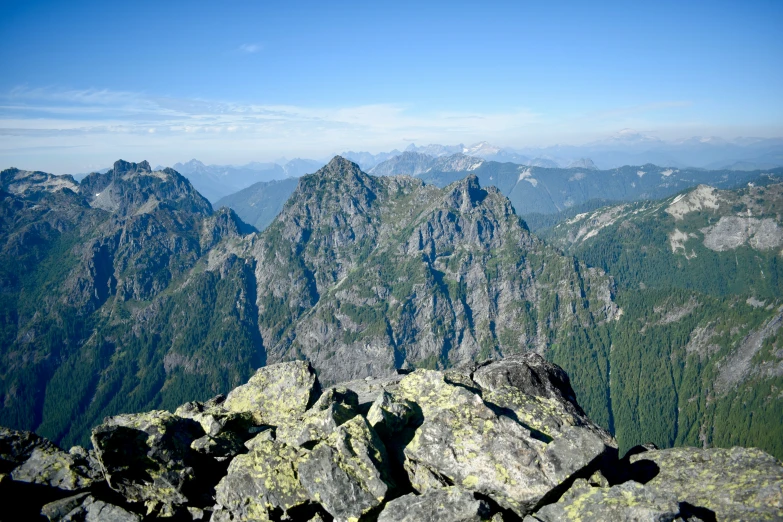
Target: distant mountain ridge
x=627 y=147
x=551 y=190
x=532 y=190
x=217 y=181
x=260 y=203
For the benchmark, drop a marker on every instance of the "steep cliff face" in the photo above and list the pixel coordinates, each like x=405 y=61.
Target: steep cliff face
x=89 y=276
x=363 y=275
x=700 y=280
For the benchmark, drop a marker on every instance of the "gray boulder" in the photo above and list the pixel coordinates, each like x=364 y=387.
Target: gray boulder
x=734 y=484
x=348 y=472
x=277 y=393
x=369 y=389
x=630 y=501
x=146 y=457
x=86 y=508
x=528 y=373
x=16 y=447
x=215 y=419
x=52 y=467
x=513 y=447
x=335 y=407
x=388 y=416
x=452 y=504
x=260 y=482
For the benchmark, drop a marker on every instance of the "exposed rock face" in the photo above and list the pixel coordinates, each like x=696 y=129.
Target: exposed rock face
x=348 y=472
x=17 y=446
x=86 y=508
x=627 y=501
x=360 y=275
x=502 y=440
x=467 y=439
x=394 y=273
x=450 y=503
x=264 y=480
x=735 y=483
x=276 y=393
x=147 y=457
x=55 y=468
x=732 y=232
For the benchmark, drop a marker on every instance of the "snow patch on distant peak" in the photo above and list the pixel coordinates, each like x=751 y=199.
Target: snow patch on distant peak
x=577 y=176
x=668 y=172
x=640 y=173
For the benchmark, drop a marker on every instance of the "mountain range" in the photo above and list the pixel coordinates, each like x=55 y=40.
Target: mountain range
x=531 y=190
x=217 y=181
x=627 y=147
x=127 y=292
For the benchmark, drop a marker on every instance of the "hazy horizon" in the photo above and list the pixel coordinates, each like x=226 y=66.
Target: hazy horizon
x=89 y=83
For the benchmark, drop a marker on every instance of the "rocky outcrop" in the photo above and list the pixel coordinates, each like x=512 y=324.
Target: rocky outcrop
x=733 y=483
x=450 y=503
x=501 y=440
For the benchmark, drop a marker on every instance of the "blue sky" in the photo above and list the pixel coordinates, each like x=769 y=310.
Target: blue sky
x=232 y=81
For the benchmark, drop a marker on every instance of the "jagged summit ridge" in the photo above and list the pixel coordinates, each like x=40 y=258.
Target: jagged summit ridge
x=394 y=273
x=134 y=187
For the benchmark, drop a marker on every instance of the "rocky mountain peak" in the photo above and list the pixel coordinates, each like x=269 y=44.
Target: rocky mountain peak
x=33 y=183
x=465 y=194
x=132 y=188
x=124 y=167
x=582 y=163
x=339 y=166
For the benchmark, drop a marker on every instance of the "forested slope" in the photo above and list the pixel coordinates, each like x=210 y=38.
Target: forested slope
x=699 y=345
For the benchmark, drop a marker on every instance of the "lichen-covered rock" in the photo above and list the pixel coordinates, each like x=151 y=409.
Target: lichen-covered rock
x=263 y=436
x=50 y=466
x=277 y=393
x=629 y=501
x=388 y=416
x=735 y=483
x=221 y=447
x=489 y=449
x=452 y=504
x=146 y=457
x=335 y=407
x=573 y=440
x=348 y=472
x=86 y=508
x=422 y=478
x=214 y=418
x=263 y=481
x=16 y=447
x=530 y=374
x=369 y=389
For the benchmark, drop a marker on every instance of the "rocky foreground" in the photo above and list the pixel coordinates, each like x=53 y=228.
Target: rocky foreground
x=500 y=441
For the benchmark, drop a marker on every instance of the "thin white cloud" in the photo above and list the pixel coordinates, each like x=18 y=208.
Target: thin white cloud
x=249 y=48
x=92 y=126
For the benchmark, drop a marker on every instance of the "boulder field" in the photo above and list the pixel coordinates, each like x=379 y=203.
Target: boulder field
x=503 y=440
